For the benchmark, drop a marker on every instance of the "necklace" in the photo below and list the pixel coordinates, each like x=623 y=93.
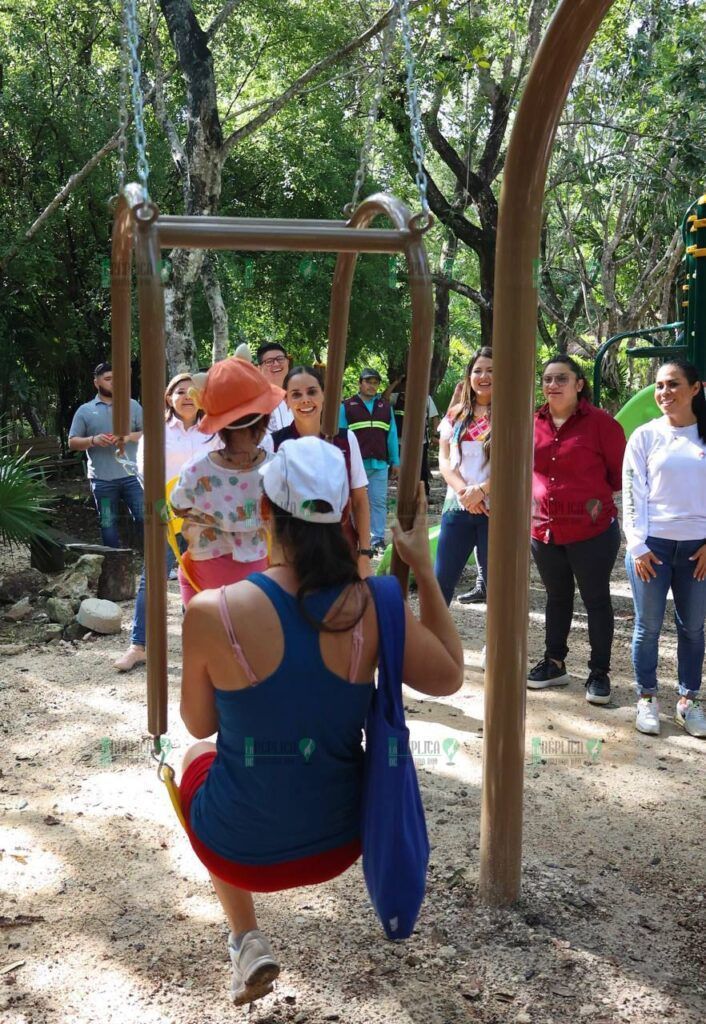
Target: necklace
x=236 y=458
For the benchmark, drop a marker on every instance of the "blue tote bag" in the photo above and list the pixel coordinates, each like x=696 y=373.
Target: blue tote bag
x=393 y=830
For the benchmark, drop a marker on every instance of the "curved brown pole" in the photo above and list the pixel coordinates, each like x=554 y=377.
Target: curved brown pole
x=514 y=332
x=120 y=324
x=153 y=361
x=418 y=362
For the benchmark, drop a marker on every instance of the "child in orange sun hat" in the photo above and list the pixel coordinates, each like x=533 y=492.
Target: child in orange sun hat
x=219 y=495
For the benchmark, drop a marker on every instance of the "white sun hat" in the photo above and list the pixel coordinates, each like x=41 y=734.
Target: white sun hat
x=306 y=470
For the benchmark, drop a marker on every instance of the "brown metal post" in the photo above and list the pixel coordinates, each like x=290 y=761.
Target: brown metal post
x=514 y=333
x=153 y=361
x=120 y=298
x=419 y=360
x=270 y=236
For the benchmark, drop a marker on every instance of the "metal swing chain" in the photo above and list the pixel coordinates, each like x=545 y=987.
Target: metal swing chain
x=372 y=115
x=133 y=39
x=415 y=124
x=122 y=138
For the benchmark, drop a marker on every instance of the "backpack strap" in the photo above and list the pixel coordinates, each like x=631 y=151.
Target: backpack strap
x=390 y=610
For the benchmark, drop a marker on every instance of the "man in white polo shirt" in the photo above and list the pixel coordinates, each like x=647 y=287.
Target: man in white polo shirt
x=92 y=432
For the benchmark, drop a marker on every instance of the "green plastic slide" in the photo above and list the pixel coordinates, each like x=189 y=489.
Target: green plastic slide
x=640 y=409
x=384 y=568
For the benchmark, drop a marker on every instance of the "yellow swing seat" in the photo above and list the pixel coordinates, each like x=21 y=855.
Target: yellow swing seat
x=174 y=526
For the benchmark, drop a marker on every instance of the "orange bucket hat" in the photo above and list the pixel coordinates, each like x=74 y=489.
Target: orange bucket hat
x=234 y=389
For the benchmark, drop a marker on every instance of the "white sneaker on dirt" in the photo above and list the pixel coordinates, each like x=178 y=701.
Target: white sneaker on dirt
x=647 y=719
x=254 y=967
x=690 y=716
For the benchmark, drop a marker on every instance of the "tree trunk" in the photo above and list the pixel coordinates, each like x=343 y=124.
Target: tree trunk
x=486 y=267
x=219 y=313
x=178 y=296
x=203 y=148
x=440 y=356
x=32 y=417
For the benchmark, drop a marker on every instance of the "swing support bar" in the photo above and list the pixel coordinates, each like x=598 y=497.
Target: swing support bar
x=570 y=31
x=142 y=228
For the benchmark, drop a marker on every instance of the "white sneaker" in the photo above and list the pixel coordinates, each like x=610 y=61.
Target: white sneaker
x=173 y=574
x=254 y=967
x=647 y=719
x=690 y=716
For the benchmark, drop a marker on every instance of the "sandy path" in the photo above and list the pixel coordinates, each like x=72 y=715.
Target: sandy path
x=610 y=926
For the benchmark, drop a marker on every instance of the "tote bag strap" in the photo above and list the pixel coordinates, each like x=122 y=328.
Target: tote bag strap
x=390 y=610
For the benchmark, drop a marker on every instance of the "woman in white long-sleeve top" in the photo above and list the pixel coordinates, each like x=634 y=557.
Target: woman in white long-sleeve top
x=664 y=517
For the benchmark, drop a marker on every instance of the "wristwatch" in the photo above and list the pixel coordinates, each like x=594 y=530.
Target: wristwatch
x=366 y=551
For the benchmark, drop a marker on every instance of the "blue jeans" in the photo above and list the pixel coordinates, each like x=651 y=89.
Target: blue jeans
x=460 y=533
x=139 y=624
x=377 y=496
x=677 y=572
x=107 y=495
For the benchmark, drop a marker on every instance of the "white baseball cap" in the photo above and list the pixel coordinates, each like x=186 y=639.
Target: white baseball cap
x=306 y=470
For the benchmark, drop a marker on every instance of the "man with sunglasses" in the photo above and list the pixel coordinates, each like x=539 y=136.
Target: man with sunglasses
x=274 y=365
x=111 y=477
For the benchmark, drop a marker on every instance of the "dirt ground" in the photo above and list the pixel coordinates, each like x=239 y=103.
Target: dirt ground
x=106 y=915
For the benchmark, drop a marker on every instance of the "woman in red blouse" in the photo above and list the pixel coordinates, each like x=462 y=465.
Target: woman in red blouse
x=578 y=458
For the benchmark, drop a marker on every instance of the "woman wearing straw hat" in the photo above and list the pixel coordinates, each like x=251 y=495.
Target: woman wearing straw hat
x=183 y=441
x=219 y=495
x=280 y=667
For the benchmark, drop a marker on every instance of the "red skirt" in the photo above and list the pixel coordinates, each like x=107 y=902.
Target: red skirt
x=312 y=870
x=213 y=573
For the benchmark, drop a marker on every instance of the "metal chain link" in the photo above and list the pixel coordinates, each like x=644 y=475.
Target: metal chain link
x=415 y=123
x=372 y=115
x=122 y=139
x=133 y=39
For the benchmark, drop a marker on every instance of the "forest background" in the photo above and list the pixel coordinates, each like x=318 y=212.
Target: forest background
x=259 y=108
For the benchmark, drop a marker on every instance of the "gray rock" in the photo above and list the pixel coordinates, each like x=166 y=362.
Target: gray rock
x=60 y=610
x=19 y=611
x=12 y=649
x=77 y=586
x=74 y=631
x=20 y=584
x=100 y=616
x=52 y=632
x=448 y=952
x=90 y=566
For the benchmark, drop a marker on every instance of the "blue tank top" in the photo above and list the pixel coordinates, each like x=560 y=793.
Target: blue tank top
x=286 y=781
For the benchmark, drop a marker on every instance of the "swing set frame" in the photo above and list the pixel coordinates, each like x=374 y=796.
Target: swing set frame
x=140 y=227
x=573 y=26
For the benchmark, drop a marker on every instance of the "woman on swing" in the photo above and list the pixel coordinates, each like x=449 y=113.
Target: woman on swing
x=280 y=667
x=304 y=386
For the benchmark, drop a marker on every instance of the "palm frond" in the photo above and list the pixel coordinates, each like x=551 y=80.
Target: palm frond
x=24 y=500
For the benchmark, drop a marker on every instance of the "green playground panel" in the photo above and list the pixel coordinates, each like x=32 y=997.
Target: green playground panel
x=641 y=408
x=384 y=568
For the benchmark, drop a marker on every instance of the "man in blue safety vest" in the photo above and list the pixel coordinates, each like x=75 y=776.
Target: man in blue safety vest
x=370 y=417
